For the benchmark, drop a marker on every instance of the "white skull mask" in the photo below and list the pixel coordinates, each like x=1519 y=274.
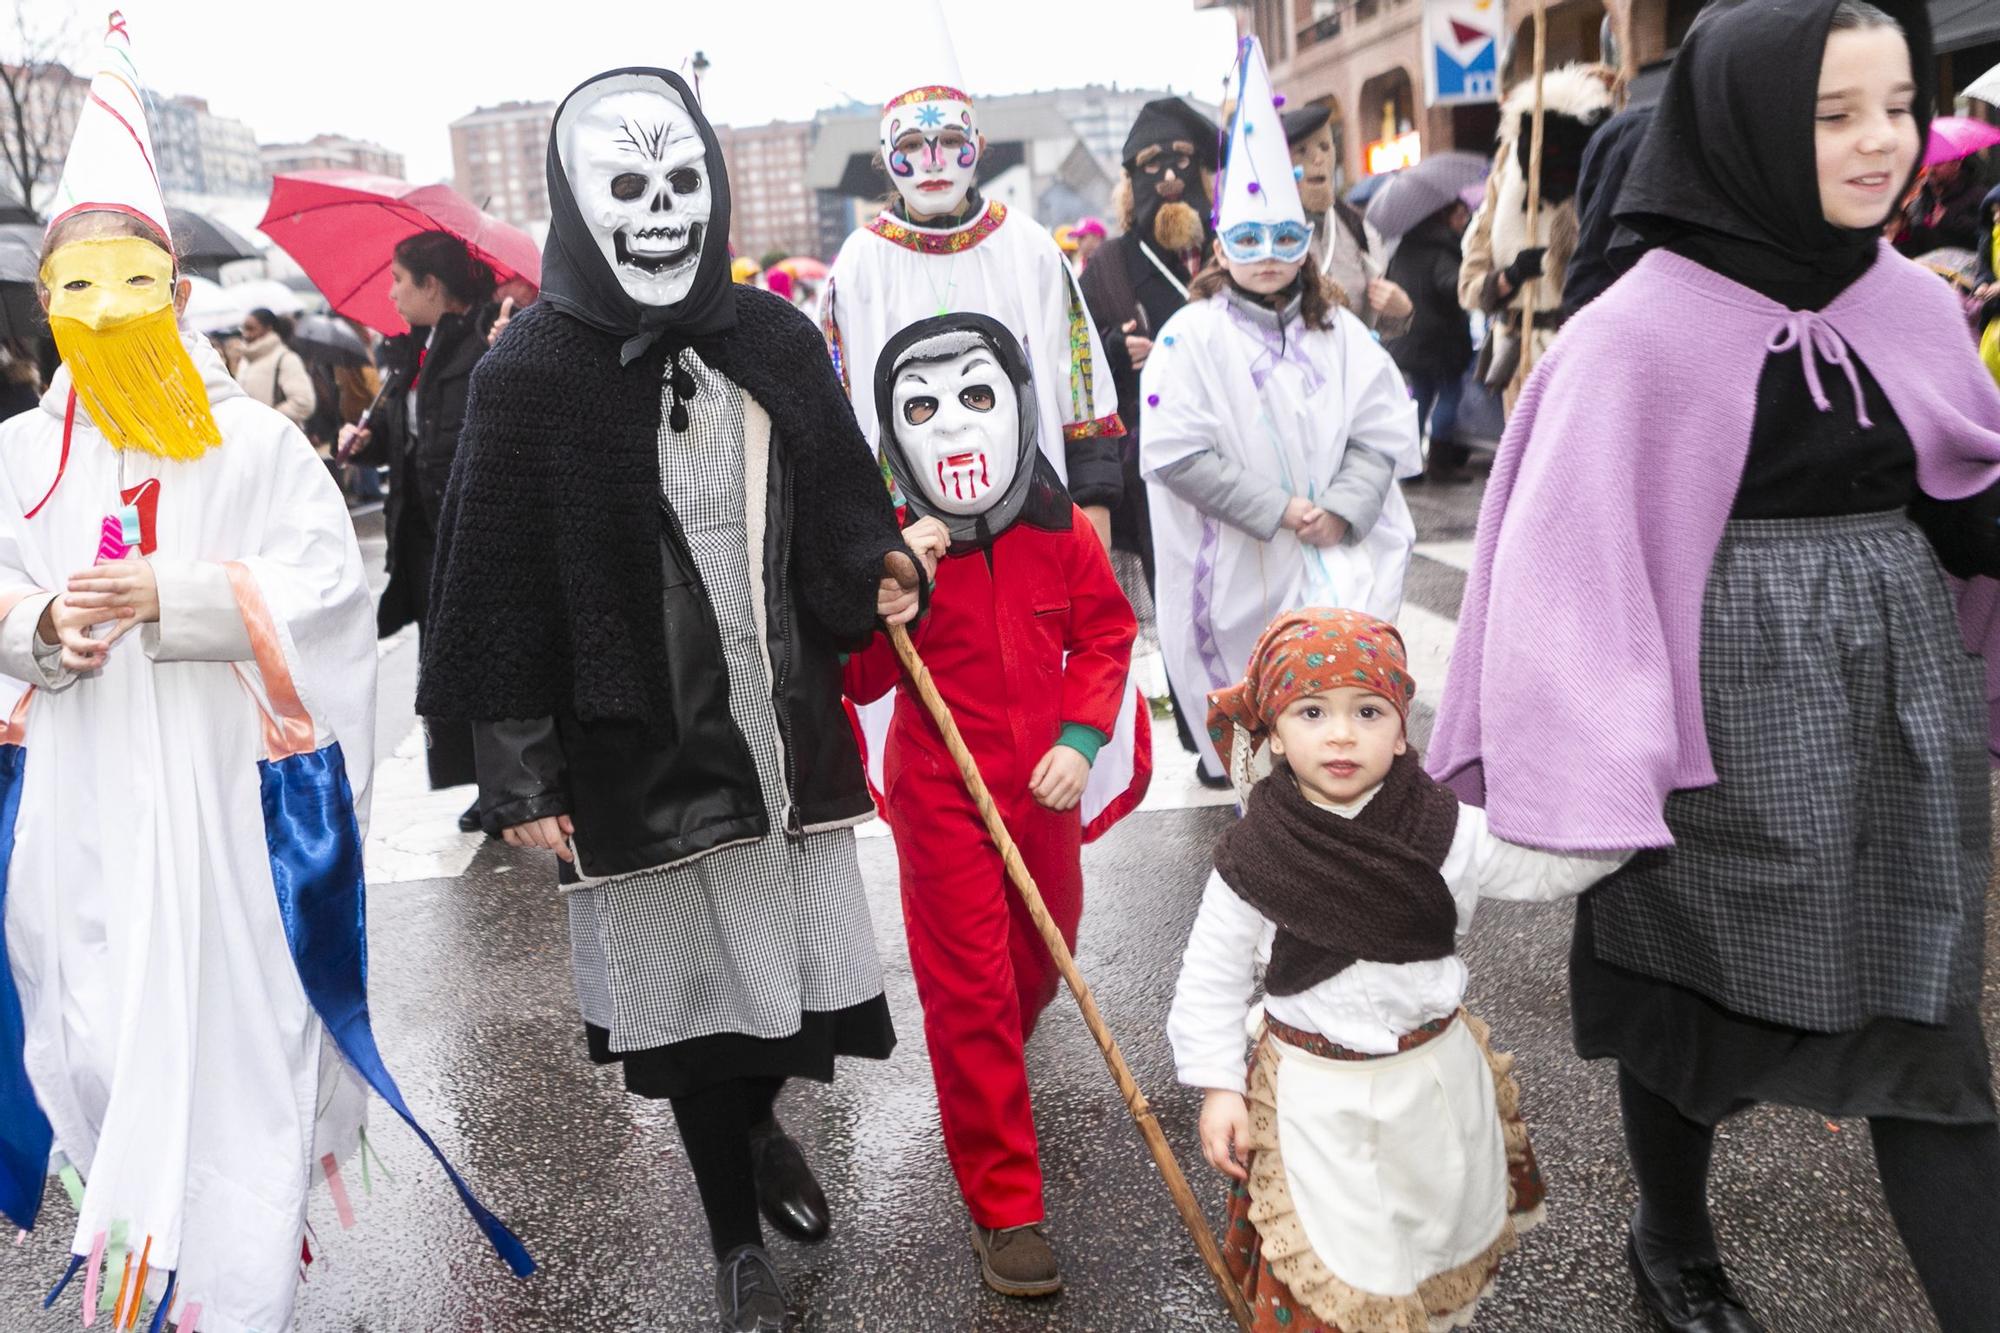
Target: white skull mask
x=638 y=169
x=958 y=422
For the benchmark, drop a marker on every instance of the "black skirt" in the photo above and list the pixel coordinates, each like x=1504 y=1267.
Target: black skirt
x=1711 y=1062
x=861 y=1031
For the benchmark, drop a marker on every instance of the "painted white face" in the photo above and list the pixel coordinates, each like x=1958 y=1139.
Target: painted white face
x=959 y=423
x=931 y=146
x=637 y=167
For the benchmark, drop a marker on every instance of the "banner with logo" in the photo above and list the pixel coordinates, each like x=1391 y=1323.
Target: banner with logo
x=1462 y=51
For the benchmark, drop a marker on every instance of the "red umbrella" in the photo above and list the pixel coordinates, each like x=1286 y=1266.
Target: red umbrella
x=1954 y=137
x=342 y=227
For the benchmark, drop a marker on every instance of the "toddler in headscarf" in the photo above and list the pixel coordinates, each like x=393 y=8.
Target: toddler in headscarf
x=1382 y=1167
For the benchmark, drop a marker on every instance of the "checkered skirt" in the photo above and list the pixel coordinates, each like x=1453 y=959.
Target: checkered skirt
x=1836 y=872
x=747 y=938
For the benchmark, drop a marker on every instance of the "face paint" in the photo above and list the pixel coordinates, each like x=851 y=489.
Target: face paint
x=639 y=171
x=930 y=143
x=958 y=422
x=106 y=281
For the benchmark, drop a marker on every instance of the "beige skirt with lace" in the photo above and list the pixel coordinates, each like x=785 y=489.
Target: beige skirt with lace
x=1292 y=1287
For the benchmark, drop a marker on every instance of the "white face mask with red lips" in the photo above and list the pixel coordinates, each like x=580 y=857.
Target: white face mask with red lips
x=958 y=421
x=930 y=144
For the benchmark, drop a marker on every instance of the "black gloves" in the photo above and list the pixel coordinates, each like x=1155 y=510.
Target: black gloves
x=1527 y=265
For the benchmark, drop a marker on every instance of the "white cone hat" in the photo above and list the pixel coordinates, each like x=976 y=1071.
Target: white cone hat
x=928 y=50
x=110 y=162
x=1257 y=180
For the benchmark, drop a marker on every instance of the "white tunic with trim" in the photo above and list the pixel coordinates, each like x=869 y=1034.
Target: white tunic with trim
x=1001 y=264
x=169 y=1038
x=1396 y=1165
x=1283 y=408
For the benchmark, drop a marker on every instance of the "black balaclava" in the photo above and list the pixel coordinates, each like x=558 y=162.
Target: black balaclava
x=1160 y=122
x=1727 y=172
x=1036 y=495
x=577 y=279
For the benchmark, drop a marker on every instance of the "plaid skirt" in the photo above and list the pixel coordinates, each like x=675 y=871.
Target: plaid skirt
x=1836 y=872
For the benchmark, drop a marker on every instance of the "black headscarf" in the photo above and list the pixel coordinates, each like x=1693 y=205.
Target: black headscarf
x=1727 y=173
x=577 y=279
x=1036 y=495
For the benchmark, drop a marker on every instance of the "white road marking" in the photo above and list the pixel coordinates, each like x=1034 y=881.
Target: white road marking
x=1456 y=554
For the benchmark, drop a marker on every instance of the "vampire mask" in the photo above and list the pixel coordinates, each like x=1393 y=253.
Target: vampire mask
x=957 y=407
x=638 y=169
x=930 y=144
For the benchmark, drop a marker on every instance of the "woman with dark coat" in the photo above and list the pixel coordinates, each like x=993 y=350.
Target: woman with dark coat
x=662 y=531
x=1436 y=352
x=1708 y=620
x=439 y=287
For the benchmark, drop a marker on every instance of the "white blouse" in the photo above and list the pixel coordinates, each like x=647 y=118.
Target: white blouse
x=1366 y=1007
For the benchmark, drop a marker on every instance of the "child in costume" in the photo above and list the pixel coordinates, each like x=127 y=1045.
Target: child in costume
x=183 y=1016
x=1029 y=639
x=1276 y=427
x=1381 y=1161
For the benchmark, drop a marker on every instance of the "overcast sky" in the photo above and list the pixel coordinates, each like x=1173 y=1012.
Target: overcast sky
x=399 y=71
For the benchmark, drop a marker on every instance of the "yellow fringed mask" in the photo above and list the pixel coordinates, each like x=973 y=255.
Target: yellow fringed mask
x=111 y=309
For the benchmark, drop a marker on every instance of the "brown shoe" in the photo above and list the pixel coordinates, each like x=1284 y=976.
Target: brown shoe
x=1017 y=1261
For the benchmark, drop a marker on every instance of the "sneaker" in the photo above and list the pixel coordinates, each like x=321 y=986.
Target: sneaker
x=751 y=1294
x=1017 y=1261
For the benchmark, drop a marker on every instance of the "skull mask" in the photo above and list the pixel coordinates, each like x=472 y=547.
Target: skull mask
x=958 y=423
x=638 y=168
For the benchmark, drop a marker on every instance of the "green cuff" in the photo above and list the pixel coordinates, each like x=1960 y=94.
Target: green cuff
x=1086 y=741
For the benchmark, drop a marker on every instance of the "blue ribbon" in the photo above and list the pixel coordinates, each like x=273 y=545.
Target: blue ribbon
x=317 y=866
x=25 y=1136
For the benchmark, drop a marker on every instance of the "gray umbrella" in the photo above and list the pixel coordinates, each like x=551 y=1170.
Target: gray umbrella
x=1419 y=191
x=205 y=245
x=323 y=338
x=20 y=263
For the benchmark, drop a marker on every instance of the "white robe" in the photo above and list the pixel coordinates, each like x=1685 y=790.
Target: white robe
x=169 y=1038
x=1004 y=266
x=1215 y=383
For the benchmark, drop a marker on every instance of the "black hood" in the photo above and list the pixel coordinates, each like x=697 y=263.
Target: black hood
x=1036 y=494
x=577 y=278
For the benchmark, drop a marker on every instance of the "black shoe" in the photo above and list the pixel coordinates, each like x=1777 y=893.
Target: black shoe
x=469 y=821
x=1702 y=1301
x=1212 y=781
x=787 y=1194
x=750 y=1293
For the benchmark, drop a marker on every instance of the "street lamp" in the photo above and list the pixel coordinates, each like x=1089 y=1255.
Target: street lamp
x=700 y=68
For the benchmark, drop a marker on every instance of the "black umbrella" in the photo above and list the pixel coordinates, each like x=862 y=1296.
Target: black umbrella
x=205 y=245
x=324 y=338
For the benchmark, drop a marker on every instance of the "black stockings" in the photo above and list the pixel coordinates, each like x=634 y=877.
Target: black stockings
x=715 y=1124
x=1942 y=1183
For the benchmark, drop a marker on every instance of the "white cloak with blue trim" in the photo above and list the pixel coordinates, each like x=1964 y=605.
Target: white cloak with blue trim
x=169 y=1039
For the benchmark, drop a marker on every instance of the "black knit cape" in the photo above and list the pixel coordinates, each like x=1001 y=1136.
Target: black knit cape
x=546 y=594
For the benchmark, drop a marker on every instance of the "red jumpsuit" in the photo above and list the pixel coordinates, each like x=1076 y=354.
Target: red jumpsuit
x=1000 y=624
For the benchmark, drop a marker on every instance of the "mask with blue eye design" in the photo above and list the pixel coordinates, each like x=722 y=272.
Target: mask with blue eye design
x=1249 y=242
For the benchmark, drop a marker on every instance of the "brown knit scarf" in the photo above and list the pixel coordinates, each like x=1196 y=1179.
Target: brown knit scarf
x=1342 y=890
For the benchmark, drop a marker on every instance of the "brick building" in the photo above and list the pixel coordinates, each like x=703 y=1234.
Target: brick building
x=499 y=160
x=325 y=152
x=770 y=205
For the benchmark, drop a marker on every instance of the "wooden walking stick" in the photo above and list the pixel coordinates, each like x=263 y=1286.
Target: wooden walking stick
x=1528 y=292
x=1017 y=871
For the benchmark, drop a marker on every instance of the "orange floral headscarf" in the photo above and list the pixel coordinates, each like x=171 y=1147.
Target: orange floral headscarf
x=1308 y=652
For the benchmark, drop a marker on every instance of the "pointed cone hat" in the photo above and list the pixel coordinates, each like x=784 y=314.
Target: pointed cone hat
x=1257 y=180
x=110 y=162
x=928 y=50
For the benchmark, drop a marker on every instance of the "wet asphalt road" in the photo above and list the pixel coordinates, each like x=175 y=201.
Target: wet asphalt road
x=472 y=1001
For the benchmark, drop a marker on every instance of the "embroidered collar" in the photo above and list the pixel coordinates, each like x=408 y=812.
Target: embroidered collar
x=927 y=241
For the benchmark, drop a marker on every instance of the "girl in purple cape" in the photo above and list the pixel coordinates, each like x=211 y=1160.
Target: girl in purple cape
x=1731 y=496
